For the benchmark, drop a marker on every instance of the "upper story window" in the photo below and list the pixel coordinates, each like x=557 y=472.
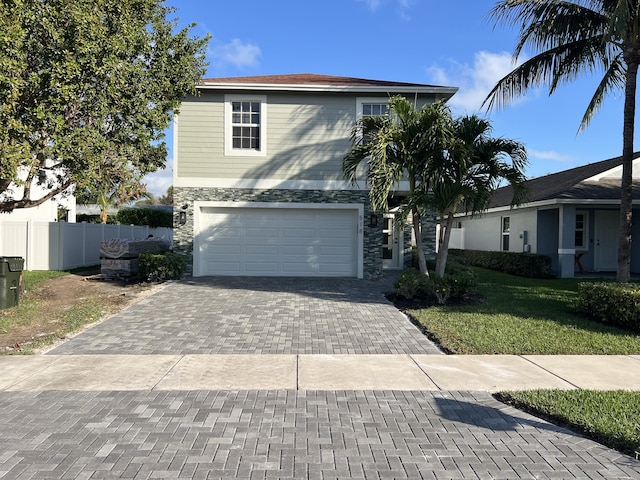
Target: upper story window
x=582 y=231
x=245 y=125
x=371 y=107
x=374 y=109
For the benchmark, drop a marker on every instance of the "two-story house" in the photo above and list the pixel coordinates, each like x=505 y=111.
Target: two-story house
x=258 y=185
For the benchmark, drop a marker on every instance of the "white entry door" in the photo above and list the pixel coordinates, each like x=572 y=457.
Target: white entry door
x=606 y=240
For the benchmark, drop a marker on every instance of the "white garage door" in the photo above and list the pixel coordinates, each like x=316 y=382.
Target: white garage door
x=277 y=242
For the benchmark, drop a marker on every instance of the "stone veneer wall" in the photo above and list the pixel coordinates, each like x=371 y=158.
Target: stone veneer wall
x=429 y=223
x=183 y=234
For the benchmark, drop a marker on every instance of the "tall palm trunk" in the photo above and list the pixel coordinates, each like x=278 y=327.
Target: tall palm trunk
x=626 y=194
x=443 y=247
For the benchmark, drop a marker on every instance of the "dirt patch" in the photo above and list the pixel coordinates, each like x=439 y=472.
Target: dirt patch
x=56 y=296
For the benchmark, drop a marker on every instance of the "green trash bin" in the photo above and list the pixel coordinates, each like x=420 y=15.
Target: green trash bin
x=10 y=272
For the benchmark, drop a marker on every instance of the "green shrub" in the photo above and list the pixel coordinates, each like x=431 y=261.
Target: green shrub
x=83 y=217
x=530 y=265
x=412 y=284
x=457 y=281
x=613 y=303
x=453 y=285
x=159 y=267
x=153 y=217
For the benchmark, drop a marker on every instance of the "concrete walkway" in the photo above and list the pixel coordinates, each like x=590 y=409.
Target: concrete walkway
x=287 y=379
x=481 y=373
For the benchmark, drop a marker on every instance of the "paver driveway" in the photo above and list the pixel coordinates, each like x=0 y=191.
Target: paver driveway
x=278 y=434
x=247 y=315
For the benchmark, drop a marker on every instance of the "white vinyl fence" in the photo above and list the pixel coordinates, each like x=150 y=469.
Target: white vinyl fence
x=61 y=245
x=456 y=240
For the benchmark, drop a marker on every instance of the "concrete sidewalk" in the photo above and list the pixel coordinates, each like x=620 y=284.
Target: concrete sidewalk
x=414 y=372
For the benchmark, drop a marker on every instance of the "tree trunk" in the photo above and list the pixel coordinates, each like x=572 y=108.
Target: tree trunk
x=626 y=184
x=443 y=248
x=417 y=231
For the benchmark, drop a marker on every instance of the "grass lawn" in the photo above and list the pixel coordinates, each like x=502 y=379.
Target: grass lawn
x=611 y=418
x=523 y=316
x=530 y=316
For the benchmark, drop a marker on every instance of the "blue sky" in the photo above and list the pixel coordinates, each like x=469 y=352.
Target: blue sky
x=437 y=42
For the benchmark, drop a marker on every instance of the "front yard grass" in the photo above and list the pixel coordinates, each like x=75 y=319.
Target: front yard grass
x=523 y=316
x=609 y=417
x=539 y=317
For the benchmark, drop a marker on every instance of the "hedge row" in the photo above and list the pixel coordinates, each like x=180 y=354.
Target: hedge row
x=612 y=303
x=159 y=267
x=152 y=217
x=521 y=264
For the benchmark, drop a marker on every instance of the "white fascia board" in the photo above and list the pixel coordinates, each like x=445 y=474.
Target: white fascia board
x=447 y=92
x=551 y=204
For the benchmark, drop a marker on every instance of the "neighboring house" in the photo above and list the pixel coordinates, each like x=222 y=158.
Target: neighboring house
x=572 y=216
x=258 y=186
x=59 y=207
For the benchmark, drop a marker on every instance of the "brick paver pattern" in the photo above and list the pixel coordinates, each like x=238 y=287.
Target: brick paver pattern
x=289 y=435
x=244 y=315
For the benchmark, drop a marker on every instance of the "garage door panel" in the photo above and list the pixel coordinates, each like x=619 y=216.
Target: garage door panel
x=277 y=242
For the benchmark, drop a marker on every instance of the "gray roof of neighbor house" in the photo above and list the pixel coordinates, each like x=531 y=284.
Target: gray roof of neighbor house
x=316 y=82
x=571 y=184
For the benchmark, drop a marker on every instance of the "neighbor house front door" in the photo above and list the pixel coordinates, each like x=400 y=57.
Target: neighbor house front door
x=606 y=240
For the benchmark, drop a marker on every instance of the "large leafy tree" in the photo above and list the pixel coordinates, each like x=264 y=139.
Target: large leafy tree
x=468 y=171
x=572 y=38
x=87 y=89
x=399 y=147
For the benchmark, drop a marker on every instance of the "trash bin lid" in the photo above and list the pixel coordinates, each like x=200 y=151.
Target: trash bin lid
x=16 y=264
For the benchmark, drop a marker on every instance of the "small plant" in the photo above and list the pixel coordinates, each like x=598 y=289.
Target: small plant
x=159 y=267
x=412 y=284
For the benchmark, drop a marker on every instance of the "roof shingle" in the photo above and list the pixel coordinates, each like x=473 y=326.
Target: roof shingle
x=568 y=184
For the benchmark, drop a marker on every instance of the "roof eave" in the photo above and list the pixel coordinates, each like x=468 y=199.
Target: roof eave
x=444 y=92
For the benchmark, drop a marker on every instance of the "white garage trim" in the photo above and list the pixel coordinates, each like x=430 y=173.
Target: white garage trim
x=200 y=214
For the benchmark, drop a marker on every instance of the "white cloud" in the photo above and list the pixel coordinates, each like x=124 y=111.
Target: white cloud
x=474 y=81
x=403 y=5
x=236 y=53
x=550 y=155
x=372 y=4
x=158 y=182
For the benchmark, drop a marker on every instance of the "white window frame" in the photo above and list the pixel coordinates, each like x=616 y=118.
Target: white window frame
x=228 y=126
x=360 y=101
x=504 y=233
x=585 y=230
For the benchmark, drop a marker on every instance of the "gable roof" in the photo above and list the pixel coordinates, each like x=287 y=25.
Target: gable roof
x=580 y=183
x=317 y=82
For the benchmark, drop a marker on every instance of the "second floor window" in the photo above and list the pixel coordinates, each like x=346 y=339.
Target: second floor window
x=245 y=125
x=374 y=109
x=245 y=121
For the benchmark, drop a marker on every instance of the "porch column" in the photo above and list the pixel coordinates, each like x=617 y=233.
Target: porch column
x=566 y=240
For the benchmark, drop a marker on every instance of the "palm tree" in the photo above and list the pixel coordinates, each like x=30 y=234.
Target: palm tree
x=395 y=147
x=572 y=38
x=467 y=173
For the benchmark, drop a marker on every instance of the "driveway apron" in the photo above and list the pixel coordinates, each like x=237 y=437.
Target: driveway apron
x=293 y=433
